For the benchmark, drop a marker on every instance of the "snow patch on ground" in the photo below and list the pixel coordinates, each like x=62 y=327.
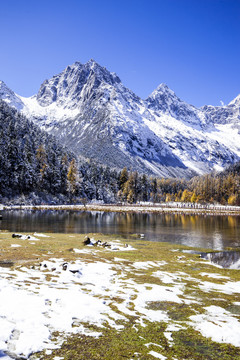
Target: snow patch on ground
x=218 y=324
x=83 y=251
x=214 y=276
x=40 y=235
x=45 y=306
x=166 y=277
x=157 y=355
x=148 y=264
x=60 y=296
x=229 y=287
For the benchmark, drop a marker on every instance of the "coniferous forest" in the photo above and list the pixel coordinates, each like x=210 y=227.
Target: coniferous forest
x=35 y=169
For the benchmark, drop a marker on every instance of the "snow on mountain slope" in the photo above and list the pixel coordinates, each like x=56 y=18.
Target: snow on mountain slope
x=10 y=97
x=89 y=110
x=201 y=144
x=227 y=114
x=201 y=151
x=108 y=125
x=46 y=117
x=164 y=101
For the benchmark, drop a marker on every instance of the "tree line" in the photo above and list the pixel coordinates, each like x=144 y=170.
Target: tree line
x=223 y=188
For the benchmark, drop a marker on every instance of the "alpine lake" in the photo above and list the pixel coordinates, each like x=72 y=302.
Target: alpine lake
x=170 y=288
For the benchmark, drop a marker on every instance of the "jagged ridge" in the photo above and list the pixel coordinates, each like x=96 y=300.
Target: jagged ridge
x=91 y=111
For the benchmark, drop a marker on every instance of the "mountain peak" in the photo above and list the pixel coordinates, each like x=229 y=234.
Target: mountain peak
x=235 y=101
x=162 y=97
x=92 y=62
x=96 y=67
x=9 y=96
x=163 y=89
x=4 y=86
x=163 y=86
x=65 y=89
x=163 y=100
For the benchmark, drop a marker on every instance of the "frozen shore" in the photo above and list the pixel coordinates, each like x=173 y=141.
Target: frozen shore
x=177 y=208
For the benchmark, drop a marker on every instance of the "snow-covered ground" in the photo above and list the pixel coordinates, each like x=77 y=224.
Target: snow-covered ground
x=59 y=296
x=143 y=207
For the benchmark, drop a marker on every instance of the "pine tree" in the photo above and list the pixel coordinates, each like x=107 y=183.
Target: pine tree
x=42 y=163
x=123 y=178
x=72 y=179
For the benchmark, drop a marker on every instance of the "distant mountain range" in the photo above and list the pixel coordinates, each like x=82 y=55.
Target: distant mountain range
x=91 y=112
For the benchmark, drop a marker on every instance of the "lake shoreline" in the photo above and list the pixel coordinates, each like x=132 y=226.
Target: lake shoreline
x=158 y=208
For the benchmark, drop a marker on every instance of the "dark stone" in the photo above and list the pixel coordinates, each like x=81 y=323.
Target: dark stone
x=64 y=266
x=86 y=240
x=74 y=271
x=16 y=236
x=106 y=244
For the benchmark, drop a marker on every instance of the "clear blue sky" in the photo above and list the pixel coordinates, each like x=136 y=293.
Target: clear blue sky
x=191 y=45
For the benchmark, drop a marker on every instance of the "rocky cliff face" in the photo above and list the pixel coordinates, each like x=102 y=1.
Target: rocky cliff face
x=227 y=114
x=91 y=111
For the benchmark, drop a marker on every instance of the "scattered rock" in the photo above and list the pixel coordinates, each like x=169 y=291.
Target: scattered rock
x=23 y=237
x=75 y=271
x=17 y=236
x=87 y=240
x=97 y=243
x=106 y=244
x=64 y=266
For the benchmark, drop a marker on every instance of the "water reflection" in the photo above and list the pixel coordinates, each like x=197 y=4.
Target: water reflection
x=216 y=232
x=217 y=240
x=226 y=259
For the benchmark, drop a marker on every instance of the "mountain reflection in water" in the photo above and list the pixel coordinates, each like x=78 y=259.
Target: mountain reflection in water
x=226 y=259
x=215 y=232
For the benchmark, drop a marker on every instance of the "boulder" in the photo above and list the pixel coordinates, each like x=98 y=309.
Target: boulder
x=87 y=240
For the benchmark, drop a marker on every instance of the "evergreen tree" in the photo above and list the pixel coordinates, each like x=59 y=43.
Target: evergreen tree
x=72 y=179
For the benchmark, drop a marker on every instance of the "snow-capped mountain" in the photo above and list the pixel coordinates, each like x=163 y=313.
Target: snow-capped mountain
x=194 y=136
x=92 y=112
x=164 y=101
x=227 y=114
x=10 y=97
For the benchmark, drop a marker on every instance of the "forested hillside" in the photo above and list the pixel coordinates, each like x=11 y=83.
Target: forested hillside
x=30 y=159
x=35 y=168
